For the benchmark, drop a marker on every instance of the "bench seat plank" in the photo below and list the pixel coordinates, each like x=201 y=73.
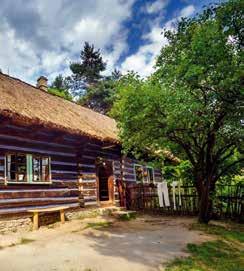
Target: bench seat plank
x=47 y=210
x=51 y=209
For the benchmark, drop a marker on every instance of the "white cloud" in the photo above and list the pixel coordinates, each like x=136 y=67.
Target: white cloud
x=44 y=36
x=17 y=55
x=156 y=6
x=187 y=11
x=143 y=61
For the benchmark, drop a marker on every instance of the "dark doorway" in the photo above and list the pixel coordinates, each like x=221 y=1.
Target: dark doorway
x=105 y=181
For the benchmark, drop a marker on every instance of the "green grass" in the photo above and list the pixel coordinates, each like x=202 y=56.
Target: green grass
x=209 y=256
x=224 y=254
x=98 y=225
x=233 y=232
x=24 y=241
x=127 y=216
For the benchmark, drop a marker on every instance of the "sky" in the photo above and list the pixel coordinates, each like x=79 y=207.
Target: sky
x=42 y=37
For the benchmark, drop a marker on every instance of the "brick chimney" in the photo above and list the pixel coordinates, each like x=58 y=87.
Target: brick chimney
x=42 y=83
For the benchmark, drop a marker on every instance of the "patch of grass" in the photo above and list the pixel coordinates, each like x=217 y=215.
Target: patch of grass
x=231 y=233
x=224 y=254
x=24 y=241
x=98 y=225
x=214 y=255
x=92 y=214
x=127 y=216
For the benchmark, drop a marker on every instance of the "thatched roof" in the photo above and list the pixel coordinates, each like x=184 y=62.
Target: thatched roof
x=23 y=102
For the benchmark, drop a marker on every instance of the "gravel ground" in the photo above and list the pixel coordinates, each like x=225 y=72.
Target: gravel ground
x=99 y=244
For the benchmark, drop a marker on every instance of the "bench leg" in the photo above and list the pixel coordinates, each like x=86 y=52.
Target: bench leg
x=62 y=217
x=35 y=221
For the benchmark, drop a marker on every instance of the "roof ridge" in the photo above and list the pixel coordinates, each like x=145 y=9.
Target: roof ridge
x=52 y=94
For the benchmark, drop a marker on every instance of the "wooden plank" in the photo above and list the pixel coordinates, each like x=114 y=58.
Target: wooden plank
x=33 y=150
x=37 y=142
x=50 y=209
x=26 y=208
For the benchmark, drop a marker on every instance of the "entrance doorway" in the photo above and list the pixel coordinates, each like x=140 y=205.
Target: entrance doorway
x=105 y=181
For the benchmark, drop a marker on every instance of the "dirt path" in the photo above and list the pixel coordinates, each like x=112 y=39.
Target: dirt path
x=140 y=245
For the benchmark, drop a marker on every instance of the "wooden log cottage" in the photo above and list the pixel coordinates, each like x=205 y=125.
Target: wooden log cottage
x=54 y=152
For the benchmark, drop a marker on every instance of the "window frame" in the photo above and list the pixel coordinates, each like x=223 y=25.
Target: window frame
x=152 y=168
x=145 y=179
x=138 y=165
x=29 y=169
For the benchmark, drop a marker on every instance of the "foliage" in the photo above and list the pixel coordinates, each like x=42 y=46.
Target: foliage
x=182 y=171
x=59 y=87
x=193 y=100
x=60 y=83
x=87 y=72
x=63 y=93
x=100 y=97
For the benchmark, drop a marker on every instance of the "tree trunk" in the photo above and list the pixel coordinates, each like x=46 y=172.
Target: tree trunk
x=205 y=189
x=205 y=206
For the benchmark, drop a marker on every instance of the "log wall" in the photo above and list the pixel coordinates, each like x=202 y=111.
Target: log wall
x=73 y=169
x=87 y=169
x=128 y=170
x=18 y=198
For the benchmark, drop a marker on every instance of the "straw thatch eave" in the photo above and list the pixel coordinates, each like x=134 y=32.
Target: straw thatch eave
x=26 y=104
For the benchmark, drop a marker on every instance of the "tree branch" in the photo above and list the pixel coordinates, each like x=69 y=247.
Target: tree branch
x=187 y=148
x=226 y=169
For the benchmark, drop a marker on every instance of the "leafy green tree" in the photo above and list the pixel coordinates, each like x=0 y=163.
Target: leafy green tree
x=60 y=82
x=116 y=74
x=87 y=72
x=63 y=93
x=100 y=97
x=194 y=100
x=182 y=171
x=59 y=87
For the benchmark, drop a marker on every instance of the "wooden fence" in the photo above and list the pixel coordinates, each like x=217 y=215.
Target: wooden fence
x=227 y=203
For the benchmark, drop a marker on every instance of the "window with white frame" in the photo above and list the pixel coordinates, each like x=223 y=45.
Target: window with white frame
x=139 y=174
x=27 y=168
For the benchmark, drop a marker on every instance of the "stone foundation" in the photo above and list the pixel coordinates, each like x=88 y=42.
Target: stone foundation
x=13 y=225
x=23 y=223
x=89 y=212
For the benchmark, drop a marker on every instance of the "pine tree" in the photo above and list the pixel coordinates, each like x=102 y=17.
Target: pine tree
x=87 y=72
x=101 y=96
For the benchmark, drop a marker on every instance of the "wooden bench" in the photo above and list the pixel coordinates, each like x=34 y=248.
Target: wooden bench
x=36 y=213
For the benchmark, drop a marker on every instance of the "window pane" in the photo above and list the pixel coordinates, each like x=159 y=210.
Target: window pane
x=36 y=169
x=150 y=176
x=139 y=173
x=40 y=169
x=45 y=169
x=16 y=168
